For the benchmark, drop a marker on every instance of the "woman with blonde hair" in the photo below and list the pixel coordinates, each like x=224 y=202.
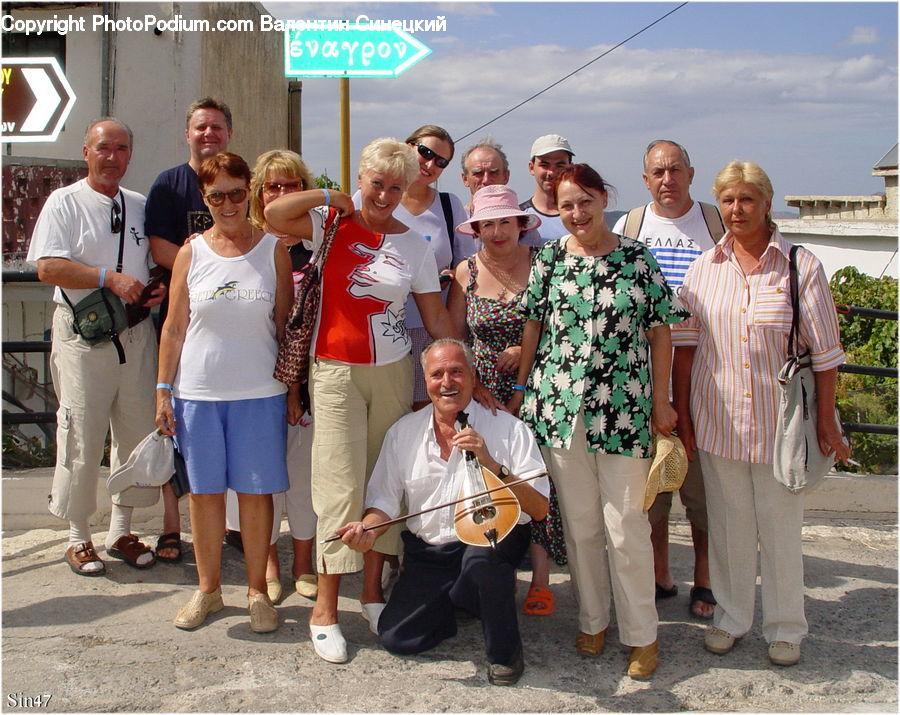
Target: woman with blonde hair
x=361 y=375
x=727 y=359
x=279 y=172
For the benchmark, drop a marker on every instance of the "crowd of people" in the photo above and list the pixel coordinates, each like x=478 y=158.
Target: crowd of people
x=521 y=355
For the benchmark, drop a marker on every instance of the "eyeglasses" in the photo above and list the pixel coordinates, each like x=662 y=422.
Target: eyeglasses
x=427 y=154
x=284 y=188
x=235 y=196
x=115 y=217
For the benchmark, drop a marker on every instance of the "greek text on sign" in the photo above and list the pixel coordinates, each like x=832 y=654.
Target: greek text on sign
x=353 y=51
x=37 y=99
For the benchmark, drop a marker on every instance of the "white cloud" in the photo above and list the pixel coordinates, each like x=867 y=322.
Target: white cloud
x=862 y=36
x=790 y=112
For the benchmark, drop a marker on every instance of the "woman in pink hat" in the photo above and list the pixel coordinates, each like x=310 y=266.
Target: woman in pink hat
x=484 y=304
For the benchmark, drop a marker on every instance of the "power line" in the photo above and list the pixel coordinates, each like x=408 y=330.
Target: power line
x=573 y=72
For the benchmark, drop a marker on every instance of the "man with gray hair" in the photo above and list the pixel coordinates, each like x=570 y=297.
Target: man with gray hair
x=484 y=164
x=676 y=229
x=424 y=458
x=89 y=242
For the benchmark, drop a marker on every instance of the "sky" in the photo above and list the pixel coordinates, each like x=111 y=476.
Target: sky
x=808 y=90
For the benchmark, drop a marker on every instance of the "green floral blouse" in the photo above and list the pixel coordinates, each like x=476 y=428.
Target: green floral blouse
x=594 y=354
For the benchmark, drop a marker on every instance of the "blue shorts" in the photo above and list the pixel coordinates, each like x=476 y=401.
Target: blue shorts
x=233 y=444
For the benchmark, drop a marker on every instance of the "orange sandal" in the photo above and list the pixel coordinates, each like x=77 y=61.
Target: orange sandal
x=539 y=601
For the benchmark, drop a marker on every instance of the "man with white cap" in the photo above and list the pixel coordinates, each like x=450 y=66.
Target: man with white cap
x=549 y=154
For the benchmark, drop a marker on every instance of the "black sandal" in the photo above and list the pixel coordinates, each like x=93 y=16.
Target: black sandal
x=169 y=541
x=701 y=593
x=662 y=592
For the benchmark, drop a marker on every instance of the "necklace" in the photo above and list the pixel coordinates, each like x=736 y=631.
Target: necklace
x=504 y=277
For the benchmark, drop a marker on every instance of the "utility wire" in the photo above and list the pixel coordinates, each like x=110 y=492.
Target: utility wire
x=573 y=72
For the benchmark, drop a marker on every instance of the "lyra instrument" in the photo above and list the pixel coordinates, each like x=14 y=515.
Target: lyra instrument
x=483 y=520
x=399 y=519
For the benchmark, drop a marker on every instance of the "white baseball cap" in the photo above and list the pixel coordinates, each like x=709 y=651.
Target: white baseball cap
x=151 y=464
x=550 y=143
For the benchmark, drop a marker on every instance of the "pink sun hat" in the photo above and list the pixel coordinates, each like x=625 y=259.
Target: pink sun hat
x=493 y=202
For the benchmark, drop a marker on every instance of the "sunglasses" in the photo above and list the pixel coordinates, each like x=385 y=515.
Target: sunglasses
x=287 y=187
x=115 y=217
x=427 y=154
x=235 y=196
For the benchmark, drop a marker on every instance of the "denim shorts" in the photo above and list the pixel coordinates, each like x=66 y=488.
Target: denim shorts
x=233 y=444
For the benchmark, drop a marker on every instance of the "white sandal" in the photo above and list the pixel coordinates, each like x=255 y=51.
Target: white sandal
x=329 y=643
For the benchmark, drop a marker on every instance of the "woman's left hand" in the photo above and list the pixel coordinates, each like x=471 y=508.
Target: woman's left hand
x=508 y=360
x=663 y=418
x=485 y=398
x=831 y=440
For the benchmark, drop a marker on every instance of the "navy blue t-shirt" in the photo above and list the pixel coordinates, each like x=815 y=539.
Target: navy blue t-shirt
x=175 y=208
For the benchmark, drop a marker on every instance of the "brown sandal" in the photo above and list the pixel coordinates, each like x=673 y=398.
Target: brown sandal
x=79 y=555
x=129 y=549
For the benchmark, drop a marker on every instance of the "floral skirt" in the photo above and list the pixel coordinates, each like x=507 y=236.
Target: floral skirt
x=549 y=532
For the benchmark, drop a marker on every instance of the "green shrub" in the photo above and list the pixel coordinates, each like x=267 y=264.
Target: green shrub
x=873 y=342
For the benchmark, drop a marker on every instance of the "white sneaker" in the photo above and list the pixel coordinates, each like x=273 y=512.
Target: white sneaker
x=784 y=653
x=329 y=643
x=718 y=641
x=372 y=612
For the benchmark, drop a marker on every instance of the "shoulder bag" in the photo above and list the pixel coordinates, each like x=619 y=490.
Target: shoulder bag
x=292 y=364
x=100 y=315
x=799 y=463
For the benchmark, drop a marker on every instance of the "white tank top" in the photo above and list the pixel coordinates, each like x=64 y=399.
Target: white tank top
x=230 y=347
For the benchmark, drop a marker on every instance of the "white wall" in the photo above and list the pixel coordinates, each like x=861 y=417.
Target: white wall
x=871 y=247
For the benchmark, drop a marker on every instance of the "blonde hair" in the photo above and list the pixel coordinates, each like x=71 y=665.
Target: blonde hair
x=745 y=172
x=389 y=156
x=280 y=161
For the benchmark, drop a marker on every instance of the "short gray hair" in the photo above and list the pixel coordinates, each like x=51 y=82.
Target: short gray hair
x=486 y=143
x=656 y=142
x=95 y=122
x=441 y=342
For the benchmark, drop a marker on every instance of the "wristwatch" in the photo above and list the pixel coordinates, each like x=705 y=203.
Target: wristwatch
x=503 y=472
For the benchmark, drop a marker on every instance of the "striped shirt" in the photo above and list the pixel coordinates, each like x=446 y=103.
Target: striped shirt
x=740 y=326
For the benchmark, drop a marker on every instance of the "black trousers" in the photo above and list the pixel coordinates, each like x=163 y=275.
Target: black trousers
x=435 y=579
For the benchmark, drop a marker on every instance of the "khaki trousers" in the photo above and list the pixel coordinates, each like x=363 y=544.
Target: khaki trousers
x=98 y=395
x=601 y=497
x=353 y=407
x=754 y=520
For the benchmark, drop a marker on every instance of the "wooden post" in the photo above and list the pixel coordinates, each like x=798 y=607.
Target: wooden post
x=345 y=134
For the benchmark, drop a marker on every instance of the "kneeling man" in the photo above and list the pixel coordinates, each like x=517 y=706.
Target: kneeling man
x=422 y=462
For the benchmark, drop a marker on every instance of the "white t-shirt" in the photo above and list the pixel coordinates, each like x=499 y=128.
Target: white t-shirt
x=550 y=229
x=230 y=346
x=366 y=282
x=674 y=242
x=433 y=228
x=75 y=224
x=410 y=469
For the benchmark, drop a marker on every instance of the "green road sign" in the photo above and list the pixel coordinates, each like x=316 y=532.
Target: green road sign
x=350 y=50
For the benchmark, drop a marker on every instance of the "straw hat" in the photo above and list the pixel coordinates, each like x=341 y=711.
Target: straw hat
x=670 y=465
x=494 y=202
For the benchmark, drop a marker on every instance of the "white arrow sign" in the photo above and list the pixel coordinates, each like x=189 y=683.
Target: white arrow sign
x=37 y=99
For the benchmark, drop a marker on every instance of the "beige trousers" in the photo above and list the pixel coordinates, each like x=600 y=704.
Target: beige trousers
x=754 y=520
x=353 y=407
x=98 y=395
x=601 y=497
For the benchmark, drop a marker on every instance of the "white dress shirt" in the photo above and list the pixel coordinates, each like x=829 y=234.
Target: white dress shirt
x=410 y=469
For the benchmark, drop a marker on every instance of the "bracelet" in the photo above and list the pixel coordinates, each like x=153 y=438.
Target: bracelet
x=521 y=388
x=163 y=386
x=102 y=277
x=327 y=197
